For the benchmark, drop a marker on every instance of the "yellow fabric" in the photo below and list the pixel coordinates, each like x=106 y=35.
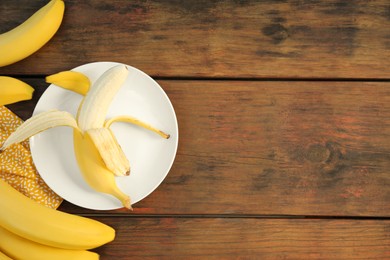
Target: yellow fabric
x=17 y=167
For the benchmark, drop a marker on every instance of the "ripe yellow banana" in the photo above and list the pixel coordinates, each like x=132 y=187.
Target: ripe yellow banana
x=71 y=80
x=21 y=248
x=99 y=155
x=14 y=90
x=31 y=220
x=30 y=36
x=3 y=256
x=92 y=114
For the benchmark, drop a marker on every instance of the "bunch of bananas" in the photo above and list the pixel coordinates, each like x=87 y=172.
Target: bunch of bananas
x=29 y=230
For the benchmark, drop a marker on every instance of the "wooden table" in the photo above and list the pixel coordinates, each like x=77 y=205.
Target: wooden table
x=284 y=120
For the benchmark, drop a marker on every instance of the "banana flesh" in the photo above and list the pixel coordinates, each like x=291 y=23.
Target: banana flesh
x=71 y=80
x=16 y=44
x=21 y=248
x=98 y=99
x=14 y=90
x=31 y=220
x=110 y=151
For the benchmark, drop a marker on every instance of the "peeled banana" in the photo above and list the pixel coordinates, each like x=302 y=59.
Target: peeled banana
x=30 y=36
x=21 y=248
x=14 y=90
x=31 y=220
x=97 y=101
x=93 y=112
x=71 y=80
x=98 y=153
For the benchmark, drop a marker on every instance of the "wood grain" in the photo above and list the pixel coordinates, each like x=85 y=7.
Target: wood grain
x=274 y=148
x=216 y=238
x=239 y=39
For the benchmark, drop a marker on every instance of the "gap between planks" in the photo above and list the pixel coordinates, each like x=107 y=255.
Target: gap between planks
x=189 y=78
x=237 y=216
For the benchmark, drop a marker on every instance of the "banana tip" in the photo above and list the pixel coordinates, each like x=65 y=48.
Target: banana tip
x=127 y=204
x=164 y=135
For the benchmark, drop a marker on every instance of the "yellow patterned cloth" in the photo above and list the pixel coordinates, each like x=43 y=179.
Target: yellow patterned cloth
x=17 y=167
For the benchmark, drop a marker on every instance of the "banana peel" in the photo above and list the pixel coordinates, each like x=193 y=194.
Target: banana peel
x=70 y=80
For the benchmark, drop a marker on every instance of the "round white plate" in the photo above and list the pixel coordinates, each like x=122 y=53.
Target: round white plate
x=150 y=156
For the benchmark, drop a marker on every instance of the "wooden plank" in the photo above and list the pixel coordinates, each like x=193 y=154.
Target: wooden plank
x=259 y=39
x=300 y=148
x=192 y=238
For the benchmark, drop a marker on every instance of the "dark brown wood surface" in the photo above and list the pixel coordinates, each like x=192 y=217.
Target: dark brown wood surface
x=232 y=38
x=291 y=148
x=249 y=238
x=284 y=122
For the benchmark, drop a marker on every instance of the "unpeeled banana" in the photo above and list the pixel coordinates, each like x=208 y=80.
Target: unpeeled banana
x=14 y=90
x=30 y=36
x=20 y=248
x=31 y=220
x=91 y=134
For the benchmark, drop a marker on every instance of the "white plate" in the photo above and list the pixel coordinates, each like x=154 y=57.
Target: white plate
x=150 y=156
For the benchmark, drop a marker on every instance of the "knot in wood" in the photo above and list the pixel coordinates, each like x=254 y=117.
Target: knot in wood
x=317 y=153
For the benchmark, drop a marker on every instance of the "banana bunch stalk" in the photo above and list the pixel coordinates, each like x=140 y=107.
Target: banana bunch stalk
x=98 y=153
